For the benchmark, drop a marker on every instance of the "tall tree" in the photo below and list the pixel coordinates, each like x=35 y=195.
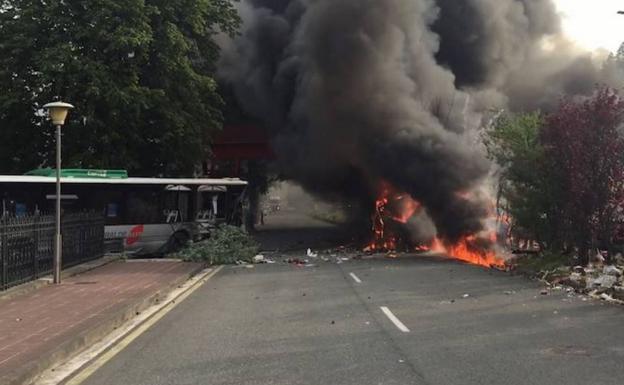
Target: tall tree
x=613 y=67
x=585 y=148
x=140 y=73
x=562 y=175
x=526 y=190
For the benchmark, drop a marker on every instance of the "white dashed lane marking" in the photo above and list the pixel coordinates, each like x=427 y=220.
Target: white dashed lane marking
x=397 y=322
x=355 y=278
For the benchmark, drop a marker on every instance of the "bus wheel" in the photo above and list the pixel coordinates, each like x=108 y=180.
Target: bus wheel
x=177 y=242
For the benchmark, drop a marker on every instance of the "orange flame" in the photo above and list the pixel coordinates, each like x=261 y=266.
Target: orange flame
x=390 y=205
x=466 y=250
x=407 y=207
x=401 y=207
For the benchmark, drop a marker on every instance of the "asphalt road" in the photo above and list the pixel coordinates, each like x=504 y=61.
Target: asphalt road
x=289 y=325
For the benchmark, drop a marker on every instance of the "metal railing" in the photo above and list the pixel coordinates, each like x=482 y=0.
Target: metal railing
x=27 y=244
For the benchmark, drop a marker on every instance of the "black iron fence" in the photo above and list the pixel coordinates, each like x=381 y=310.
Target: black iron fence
x=27 y=244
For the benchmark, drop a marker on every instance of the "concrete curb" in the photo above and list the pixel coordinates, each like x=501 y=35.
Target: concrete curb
x=28 y=374
x=31 y=286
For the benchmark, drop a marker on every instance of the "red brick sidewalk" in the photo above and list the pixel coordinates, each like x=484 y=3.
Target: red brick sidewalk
x=50 y=322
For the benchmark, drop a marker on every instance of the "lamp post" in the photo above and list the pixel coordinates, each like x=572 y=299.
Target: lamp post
x=57 y=112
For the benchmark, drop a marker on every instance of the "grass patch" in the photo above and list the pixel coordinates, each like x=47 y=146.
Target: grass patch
x=536 y=263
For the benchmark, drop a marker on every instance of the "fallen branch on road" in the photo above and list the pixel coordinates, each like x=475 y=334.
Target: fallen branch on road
x=227 y=245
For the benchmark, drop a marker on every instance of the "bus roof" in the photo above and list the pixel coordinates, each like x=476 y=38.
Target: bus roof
x=126 y=181
x=80 y=173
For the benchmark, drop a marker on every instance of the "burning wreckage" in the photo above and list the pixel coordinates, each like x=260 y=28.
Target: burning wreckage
x=379 y=103
x=398 y=225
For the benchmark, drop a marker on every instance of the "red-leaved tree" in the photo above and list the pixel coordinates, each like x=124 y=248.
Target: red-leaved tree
x=585 y=150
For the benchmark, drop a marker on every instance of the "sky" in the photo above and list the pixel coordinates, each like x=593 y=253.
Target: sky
x=593 y=24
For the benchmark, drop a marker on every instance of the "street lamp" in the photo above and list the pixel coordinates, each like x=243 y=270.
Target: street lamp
x=57 y=112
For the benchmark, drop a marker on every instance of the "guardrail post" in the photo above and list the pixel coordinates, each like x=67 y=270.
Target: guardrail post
x=3 y=251
x=36 y=244
x=84 y=227
x=101 y=223
x=27 y=255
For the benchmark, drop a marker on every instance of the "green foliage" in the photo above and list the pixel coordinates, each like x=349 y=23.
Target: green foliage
x=613 y=67
x=226 y=245
x=526 y=190
x=546 y=262
x=562 y=176
x=140 y=73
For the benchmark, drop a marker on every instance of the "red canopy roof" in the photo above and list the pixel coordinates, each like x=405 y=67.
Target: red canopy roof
x=242 y=142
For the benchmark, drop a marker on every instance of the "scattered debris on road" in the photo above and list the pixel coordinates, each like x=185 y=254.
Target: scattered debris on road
x=602 y=281
x=296 y=261
x=612 y=270
x=598 y=280
x=261 y=259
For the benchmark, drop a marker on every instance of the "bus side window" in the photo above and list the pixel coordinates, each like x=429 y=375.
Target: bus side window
x=20 y=209
x=112 y=210
x=224 y=205
x=211 y=206
x=142 y=207
x=183 y=206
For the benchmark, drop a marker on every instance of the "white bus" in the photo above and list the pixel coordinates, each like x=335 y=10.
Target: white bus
x=143 y=215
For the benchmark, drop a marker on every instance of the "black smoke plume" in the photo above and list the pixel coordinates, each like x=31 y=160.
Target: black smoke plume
x=357 y=92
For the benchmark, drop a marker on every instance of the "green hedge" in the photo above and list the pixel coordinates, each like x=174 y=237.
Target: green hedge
x=226 y=245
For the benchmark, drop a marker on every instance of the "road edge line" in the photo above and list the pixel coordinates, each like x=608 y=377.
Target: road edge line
x=92 y=360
